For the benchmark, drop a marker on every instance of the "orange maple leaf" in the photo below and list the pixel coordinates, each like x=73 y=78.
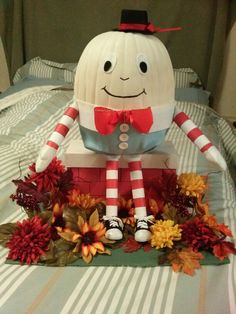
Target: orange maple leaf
x=225 y=230
x=185 y=260
x=223 y=249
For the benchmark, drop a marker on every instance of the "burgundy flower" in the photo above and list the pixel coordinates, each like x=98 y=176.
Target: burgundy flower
x=29 y=241
x=47 y=180
x=27 y=196
x=197 y=235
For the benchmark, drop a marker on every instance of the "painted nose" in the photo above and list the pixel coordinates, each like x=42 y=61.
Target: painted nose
x=124 y=78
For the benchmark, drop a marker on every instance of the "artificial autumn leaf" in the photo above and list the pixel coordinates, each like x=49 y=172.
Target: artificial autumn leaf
x=225 y=230
x=87 y=259
x=202 y=208
x=147 y=247
x=64 y=254
x=94 y=219
x=170 y=213
x=68 y=235
x=106 y=251
x=185 y=260
x=130 y=245
x=80 y=222
x=223 y=249
x=153 y=206
x=213 y=224
x=6 y=231
x=49 y=255
x=70 y=217
x=46 y=216
x=29 y=188
x=107 y=241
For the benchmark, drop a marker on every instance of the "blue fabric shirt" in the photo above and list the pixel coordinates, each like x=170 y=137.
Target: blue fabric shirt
x=122 y=142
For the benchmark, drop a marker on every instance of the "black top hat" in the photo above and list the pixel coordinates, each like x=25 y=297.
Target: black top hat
x=136 y=21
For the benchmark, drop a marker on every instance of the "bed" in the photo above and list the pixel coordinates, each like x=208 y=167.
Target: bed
x=28 y=112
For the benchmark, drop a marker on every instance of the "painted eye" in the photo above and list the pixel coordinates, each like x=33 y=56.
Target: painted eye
x=143 y=66
x=109 y=63
x=142 y=63
x=107 y=66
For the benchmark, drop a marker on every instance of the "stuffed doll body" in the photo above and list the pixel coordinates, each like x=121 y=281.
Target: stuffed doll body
x=124 y=104
x=110 y=131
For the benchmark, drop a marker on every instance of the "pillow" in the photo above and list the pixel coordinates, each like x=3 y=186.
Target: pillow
x=40 y=68
x=186 y=77
x=191 y=94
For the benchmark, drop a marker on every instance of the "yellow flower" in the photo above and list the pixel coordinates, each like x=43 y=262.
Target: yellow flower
x=91 y=240
x=164 y=232
x=89 y=237
x=191 y=184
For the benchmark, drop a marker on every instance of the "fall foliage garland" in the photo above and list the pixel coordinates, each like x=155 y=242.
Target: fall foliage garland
x=64 y=225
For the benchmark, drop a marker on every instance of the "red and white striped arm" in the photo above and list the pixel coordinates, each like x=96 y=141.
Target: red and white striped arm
x=49 y=150
x=199 y=139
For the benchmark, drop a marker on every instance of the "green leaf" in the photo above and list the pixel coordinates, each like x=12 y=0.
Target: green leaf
x=6 y=231
x=101 y=208
x=62 y=253
x=70 y=215
x=46 y=216
x=49 y=256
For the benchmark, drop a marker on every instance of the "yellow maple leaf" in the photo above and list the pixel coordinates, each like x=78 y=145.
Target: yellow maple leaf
x=185 y=260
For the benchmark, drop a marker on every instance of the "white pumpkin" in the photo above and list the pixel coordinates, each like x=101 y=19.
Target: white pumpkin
x=125 y=71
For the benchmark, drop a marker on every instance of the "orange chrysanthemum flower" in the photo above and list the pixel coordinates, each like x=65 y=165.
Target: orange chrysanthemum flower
x=86 y=201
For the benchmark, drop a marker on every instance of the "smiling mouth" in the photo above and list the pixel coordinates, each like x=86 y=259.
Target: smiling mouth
x=128 y=96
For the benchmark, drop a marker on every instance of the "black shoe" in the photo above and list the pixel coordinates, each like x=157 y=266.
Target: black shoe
x=142 y=233
x=114 y=228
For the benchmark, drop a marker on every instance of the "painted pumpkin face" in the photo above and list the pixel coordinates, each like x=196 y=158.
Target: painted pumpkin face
x=125 y=71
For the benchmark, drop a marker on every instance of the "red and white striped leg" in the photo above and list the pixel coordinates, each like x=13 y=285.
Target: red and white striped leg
x=113 y=224
x=199 y=139
x=136 y=179
x=142 y=233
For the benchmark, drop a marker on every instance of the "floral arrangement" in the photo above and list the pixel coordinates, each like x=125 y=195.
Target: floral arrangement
x=64 y=225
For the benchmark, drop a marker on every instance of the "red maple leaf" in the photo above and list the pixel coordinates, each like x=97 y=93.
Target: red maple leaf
x=130 y=245
x=224 y=229
x=147 y=247
x=223 y=249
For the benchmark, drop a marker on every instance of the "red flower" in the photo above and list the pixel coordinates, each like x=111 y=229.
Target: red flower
x=27 y=196
x=197 y=235
x=48 y=180
x=29 y=241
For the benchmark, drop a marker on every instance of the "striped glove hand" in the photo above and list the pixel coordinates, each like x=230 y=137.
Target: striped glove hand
x=45 y=157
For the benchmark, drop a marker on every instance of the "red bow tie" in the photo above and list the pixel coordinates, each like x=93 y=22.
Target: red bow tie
x=107 y=119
